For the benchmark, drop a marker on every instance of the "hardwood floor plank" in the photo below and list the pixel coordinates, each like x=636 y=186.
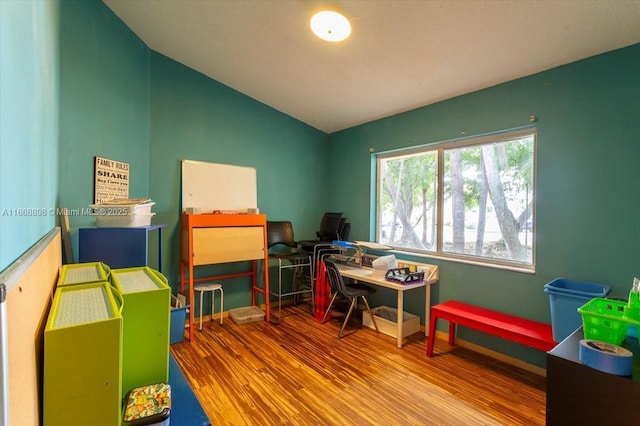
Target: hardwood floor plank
x=298 y=373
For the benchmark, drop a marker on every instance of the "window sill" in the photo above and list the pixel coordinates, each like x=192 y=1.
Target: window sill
x=505 y=267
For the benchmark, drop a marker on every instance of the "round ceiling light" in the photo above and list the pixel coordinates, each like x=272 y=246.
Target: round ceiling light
x=330 y=26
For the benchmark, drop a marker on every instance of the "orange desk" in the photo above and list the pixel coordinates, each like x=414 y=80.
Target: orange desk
x=208 y=239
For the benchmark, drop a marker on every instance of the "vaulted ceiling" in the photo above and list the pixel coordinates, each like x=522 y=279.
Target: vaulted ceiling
x=401 y=54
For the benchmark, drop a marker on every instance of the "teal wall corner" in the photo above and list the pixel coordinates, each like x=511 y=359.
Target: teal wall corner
x=104 y=105
x=29 y=116
x=196 y=118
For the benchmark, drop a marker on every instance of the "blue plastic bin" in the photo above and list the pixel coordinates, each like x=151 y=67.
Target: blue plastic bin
x=565 y=297
x=178 y=317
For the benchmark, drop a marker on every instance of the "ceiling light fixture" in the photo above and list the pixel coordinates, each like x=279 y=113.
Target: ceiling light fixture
x=330 y=26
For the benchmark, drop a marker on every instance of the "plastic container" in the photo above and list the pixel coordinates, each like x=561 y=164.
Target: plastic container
x=246 y=314
x=178 y=318
x=124 y=221
x=565 y=297
x=387 y=321
x=605 y=320
x=122 y=209
x=633 y=307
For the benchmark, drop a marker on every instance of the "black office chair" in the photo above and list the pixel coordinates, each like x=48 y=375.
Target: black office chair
x=333 y=226
x=352 y=293
x=283 y=248
x=328 y=232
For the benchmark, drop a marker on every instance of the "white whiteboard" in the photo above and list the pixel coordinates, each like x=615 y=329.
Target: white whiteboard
x=214 y=186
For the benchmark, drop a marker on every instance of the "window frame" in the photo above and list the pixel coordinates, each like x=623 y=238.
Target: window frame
x=439 y=148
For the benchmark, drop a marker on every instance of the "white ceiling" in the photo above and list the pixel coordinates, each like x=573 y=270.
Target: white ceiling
x=401 y=54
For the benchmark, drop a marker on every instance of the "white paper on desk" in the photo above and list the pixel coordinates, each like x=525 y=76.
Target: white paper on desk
x=384 y=263
x=427 y=272
x=373 y=246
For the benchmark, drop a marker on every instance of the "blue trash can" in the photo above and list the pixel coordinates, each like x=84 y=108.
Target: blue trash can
x=176 y=328
x=565 y=297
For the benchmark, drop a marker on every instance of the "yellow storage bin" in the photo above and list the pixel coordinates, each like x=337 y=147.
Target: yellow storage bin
x=83 y=357
x=82 y=273
x=146 y=314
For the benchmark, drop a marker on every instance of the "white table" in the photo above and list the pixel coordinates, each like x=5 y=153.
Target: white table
x=370 y=276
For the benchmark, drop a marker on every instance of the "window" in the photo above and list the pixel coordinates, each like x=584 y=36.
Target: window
x=471 y=199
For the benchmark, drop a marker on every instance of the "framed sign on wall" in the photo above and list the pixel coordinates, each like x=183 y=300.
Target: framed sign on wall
x=111 y=180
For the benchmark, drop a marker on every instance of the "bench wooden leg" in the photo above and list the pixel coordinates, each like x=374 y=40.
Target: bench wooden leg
x=432 y=333
x=452 y=333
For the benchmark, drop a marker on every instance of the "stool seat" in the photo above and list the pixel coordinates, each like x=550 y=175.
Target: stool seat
x=212 y=287
x=208 y=287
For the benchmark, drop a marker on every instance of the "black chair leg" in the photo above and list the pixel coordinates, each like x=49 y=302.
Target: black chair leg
x=346 y=320
x=328 y=308
x=373 y=318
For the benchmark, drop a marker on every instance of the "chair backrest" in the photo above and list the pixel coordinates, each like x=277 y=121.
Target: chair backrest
x=280 y=232
x=343 y=220
x=335 y=277
x=329 y=226
x=343 y=232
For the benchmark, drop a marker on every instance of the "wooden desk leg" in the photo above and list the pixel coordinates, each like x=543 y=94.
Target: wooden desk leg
x=264 y=290
x=254 y=283
x=432 y=334
x=188 y=281
x=267 y=301
x=192 y=306
x=400 y=319
x=427 y=308
x=181 y=277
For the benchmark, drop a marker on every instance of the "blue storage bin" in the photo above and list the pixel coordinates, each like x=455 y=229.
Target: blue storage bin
x=178 y=317
x=565 y=297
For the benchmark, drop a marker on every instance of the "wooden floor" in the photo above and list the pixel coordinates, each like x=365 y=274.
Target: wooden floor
x=298 y=373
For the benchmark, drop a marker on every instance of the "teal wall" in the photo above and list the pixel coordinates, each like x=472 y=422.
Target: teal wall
x=104 y=104
x=29 y=109
x=196 y=118
x=588 y=174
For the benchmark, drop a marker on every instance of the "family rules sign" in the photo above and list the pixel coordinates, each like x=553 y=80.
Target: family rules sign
x=111 y=180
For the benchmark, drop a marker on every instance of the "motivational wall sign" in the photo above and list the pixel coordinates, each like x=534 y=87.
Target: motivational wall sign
x=111 y=180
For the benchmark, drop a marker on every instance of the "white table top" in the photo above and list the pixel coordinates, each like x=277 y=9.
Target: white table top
x=378 y=278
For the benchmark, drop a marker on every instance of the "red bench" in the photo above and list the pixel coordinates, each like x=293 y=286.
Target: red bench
x=534 y=334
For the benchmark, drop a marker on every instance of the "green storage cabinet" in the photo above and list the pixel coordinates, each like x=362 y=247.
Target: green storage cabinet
x=83 y=273
x=146 y=297
x=83 y=357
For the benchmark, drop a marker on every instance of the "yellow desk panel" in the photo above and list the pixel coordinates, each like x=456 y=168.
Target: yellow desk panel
x=228 y=244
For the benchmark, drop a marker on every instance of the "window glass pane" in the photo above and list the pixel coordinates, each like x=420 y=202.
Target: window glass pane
x=407 y=194
x=487 y=195
x=488 y=200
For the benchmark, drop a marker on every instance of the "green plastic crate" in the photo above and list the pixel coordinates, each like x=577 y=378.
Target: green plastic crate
x=146 y=297
x=605 y=320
